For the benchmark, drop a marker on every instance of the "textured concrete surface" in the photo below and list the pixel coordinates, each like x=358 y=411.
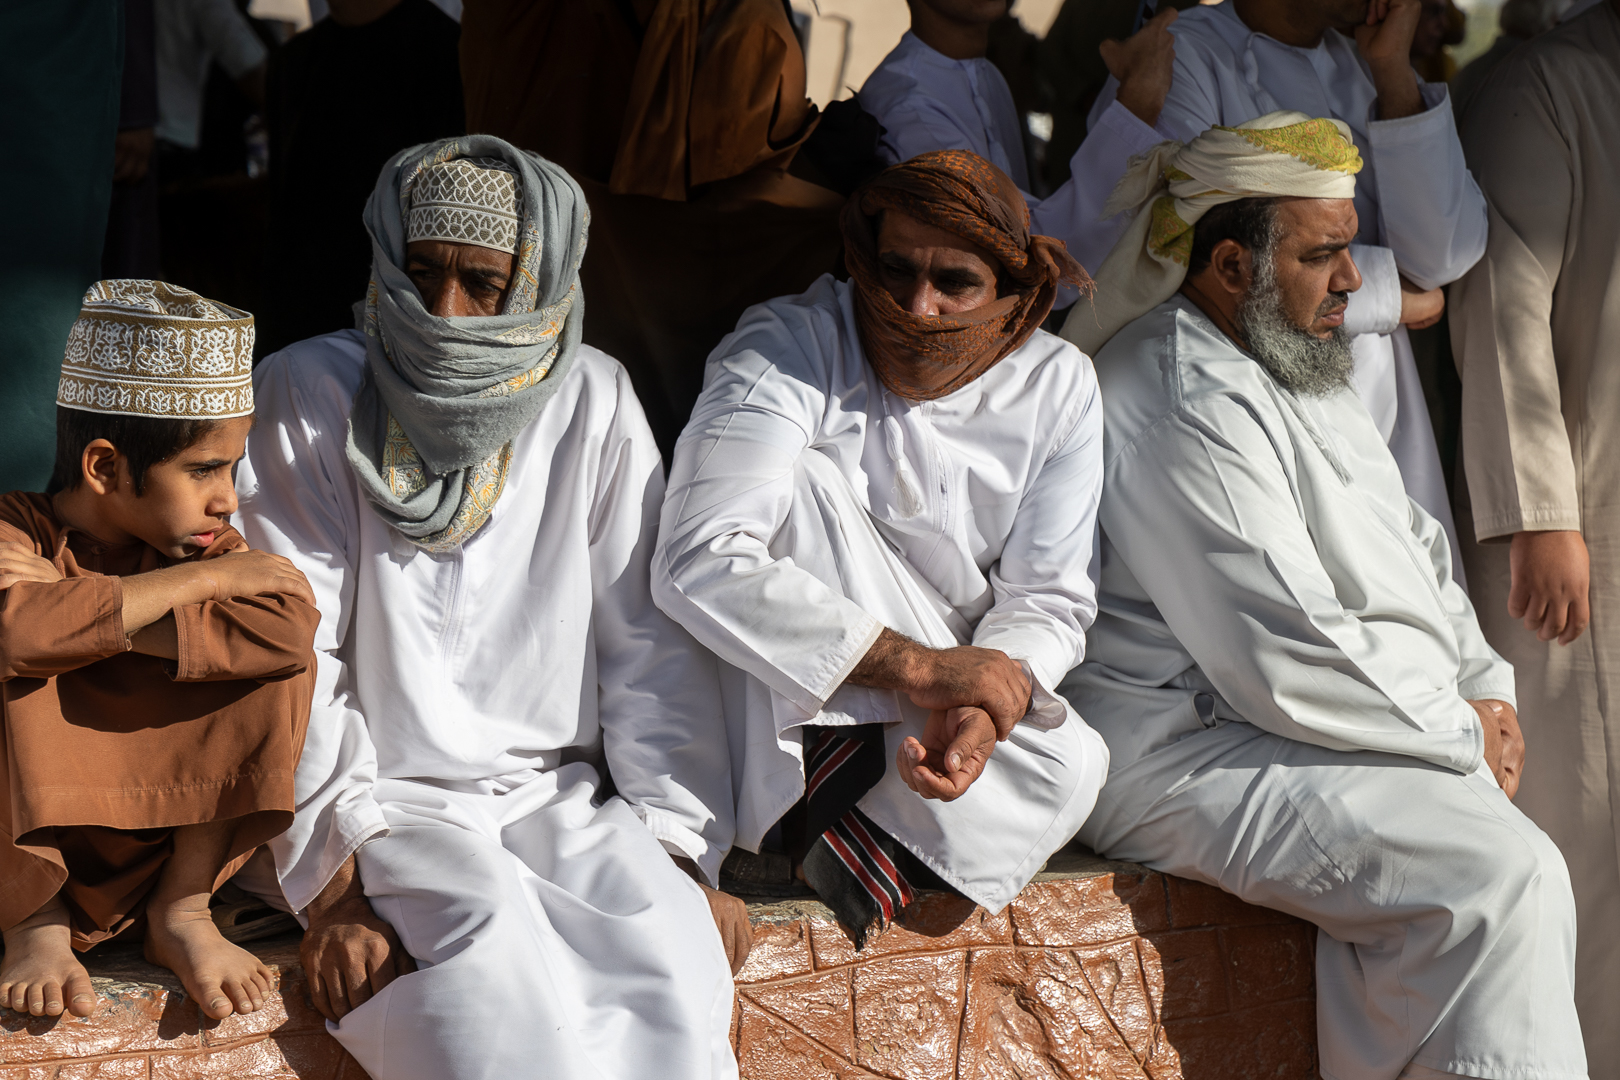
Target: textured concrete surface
x=1099 y=971
x=145 y=1028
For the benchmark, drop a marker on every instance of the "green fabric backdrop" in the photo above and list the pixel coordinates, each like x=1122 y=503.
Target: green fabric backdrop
x=60 y=67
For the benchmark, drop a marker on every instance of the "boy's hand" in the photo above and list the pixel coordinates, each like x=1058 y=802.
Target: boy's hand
x=19 y=563
x=254 y=573
x=954 y=749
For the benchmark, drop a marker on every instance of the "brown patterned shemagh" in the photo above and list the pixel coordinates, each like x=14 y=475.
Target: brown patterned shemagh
x=962 y=193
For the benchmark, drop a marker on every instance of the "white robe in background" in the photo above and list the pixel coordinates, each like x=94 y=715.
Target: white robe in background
x=808 y=508
x=1281 y=666
x=464 y=706
x=1421 y=213
x=927 y=101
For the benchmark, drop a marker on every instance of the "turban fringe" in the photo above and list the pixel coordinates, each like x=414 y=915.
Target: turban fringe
x=1175 y=184
x=959 y=192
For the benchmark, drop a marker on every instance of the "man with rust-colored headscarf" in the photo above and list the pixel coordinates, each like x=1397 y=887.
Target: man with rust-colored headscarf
x=883 y=515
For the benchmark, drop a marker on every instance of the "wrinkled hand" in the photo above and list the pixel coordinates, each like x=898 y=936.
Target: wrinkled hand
x=1385 y=42
x=349 y=956
x=983 y=679
x=731 y=919
x=254 y=573
x=132 y=155
x=19 y=563
x=955 y=747
x=965 y=675
x=1420 y=307
x=1504 y=743
x=1552 y=576
x=729 y=913
x=1143 y=63
x=1385 y=37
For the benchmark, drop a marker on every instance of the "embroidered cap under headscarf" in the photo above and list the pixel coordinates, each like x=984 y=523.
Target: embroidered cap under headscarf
x=466 y=201
x=148 y=348
x=431 y=430
x=1175 y=184
x=962 y=193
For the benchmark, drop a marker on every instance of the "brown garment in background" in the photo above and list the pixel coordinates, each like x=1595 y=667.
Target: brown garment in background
x=104 y=751
x=962 y=193
x=704 y=90
x=679 y=119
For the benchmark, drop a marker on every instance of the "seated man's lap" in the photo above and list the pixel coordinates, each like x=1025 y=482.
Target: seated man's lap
x=531 y=868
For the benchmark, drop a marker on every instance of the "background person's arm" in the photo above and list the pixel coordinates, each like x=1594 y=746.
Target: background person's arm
x=1516 y=448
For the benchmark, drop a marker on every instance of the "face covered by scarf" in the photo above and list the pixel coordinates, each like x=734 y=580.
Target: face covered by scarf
x=431 y=429
x=962 y=193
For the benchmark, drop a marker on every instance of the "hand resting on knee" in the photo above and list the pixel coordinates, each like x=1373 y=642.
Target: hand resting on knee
x=730 y=917
x=975 y=695
x=1504 y=744
x=348 y=952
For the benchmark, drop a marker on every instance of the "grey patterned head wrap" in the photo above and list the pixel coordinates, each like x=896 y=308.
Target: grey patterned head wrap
x=431 y=430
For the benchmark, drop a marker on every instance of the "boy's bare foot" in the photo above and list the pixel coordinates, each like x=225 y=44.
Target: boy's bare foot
x=219 y=976
x=39 y=971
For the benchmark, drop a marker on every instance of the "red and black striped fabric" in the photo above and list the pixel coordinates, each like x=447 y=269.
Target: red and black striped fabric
x=841 y=765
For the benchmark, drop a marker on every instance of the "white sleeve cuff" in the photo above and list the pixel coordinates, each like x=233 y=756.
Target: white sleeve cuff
x=680 y=840
x=1375 y=308
x=1046 y=709
x=1135 y=136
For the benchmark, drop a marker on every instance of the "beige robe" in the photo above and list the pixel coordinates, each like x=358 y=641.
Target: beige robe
x=1536 y=329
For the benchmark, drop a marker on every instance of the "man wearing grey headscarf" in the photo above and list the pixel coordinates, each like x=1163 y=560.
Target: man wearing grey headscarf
x=474 y=496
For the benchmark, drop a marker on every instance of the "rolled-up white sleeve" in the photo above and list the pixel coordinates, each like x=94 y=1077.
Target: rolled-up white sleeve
x=731 y=486
x=663 y=729
x=1074 y=212
x=1433 y=212
x=294 y=502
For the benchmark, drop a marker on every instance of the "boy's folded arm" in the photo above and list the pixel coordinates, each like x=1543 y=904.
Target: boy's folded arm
x=47 y=628
x=244 y=637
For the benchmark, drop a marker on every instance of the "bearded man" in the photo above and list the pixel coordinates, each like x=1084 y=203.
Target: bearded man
x=881 y=518
x=473 y=494
x=1420 y=216
x=1300 y=705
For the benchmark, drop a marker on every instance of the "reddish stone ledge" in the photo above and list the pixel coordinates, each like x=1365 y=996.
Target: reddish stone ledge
x=1098 y=970
x=145 y=1028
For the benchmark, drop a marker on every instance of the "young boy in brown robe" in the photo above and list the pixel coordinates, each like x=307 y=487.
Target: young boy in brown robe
x=155 y=673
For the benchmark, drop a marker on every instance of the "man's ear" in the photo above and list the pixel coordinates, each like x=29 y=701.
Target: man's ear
x=99 y=464
x=1232 y=265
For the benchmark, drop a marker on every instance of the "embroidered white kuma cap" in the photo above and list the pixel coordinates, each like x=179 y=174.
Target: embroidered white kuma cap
x=469 y=200
x=148 y=348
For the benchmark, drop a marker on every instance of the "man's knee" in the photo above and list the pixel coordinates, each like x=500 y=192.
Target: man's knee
x=452 y=880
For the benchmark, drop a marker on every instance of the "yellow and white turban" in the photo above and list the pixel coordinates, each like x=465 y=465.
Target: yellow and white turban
x=1174 y=184
x=148 y=348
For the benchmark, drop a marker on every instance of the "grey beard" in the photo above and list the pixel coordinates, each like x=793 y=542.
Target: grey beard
x=1302 y=362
